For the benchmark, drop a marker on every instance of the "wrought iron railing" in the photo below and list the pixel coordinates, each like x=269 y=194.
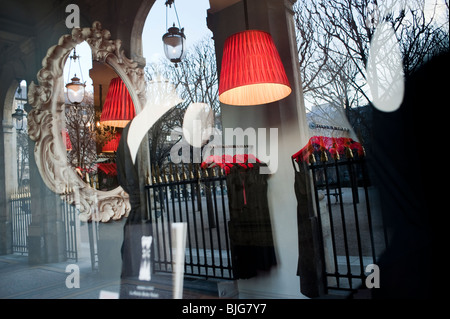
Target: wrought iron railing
x=199 y=198
x=21 y=218
x=20 y=208
x=352 y=229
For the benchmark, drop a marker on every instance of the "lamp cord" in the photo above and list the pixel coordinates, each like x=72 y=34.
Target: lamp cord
x=74 y=57
x=169 y=4
x=176 y=13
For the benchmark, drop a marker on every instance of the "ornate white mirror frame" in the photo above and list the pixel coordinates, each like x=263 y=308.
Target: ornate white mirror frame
x=46 y=118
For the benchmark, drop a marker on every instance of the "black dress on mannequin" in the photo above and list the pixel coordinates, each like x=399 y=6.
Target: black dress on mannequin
x=250 y=227
x=135 y=226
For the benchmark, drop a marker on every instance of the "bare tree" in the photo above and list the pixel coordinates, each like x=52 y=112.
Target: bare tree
x=22 y=154
x=334 y=41
x=81 y=129
x=334 y=47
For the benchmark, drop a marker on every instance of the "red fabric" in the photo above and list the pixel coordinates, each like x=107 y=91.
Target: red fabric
x=112 y=145
x=108 y=168
x=250 y=57
x=66 y=140
x=334 y=145
x=118 y=103
x=227 y=161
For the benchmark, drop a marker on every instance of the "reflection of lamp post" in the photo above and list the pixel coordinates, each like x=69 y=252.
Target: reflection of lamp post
x=174 y=40
x=75 y=88
x=19 y=114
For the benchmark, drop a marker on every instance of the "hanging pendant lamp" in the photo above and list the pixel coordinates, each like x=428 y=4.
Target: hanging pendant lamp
x=118 y=109
x=174 y=39
x=252 y=72
x=75 y=88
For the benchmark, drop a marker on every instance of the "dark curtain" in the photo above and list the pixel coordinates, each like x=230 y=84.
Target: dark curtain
x=409 y=170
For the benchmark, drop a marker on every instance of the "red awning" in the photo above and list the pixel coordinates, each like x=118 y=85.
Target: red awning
x=228 y=161
x=334 y=145
x=108 y=168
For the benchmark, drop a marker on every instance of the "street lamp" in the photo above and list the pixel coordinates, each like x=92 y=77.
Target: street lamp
x=75 y=88
x=19 y=114
x=174 y=39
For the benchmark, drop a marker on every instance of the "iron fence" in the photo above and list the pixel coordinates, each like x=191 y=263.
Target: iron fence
x=20 y=209
x=70 y=223
x=199 y=198
x=21 y=217
x=352 y=230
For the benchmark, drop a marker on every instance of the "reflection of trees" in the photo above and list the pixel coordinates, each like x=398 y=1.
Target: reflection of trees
x=334 y=42
x=88 y=136
x=22 y=158
x=81 y=129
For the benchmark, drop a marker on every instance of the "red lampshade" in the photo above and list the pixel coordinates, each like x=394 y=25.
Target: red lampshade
x=252 y=72
x=112 y=145
x=118 y=109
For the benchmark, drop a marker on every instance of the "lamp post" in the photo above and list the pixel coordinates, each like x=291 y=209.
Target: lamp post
x=174 y=39
x=19 y=113
x=75 y=88
x=18 y=116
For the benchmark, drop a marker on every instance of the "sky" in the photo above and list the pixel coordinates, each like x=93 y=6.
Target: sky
x=192 y=15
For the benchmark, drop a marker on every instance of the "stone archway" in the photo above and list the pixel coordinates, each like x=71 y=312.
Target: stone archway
x=136 y=51
x=8 y=166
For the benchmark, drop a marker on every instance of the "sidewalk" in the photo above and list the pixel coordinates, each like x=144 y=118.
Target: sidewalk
x=18 y=280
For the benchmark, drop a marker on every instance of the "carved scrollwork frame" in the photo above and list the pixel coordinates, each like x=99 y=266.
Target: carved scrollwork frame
x=45 y=122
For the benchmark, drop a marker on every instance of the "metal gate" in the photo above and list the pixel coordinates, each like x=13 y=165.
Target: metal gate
x=69 y=219
x=20 y=208
x=199 y=198
x=352 y=230
x=21 y=217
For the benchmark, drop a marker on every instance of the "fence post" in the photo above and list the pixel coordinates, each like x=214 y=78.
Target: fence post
x=209 y=202
x=311 y=259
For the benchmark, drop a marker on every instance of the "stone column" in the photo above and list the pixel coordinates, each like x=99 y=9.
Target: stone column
x=46 y=234
x=288 y=116
x=8 y=178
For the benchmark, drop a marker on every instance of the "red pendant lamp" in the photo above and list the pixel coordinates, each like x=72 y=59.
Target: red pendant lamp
x=118 y=109
x=112 y=145
x=252 y=72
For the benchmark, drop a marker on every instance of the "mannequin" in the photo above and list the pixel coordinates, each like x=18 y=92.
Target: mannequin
x=162 y=97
